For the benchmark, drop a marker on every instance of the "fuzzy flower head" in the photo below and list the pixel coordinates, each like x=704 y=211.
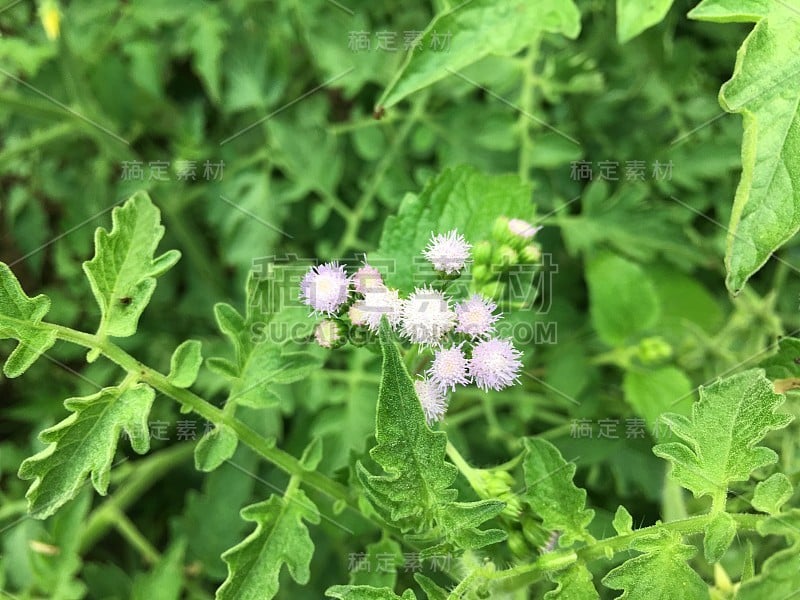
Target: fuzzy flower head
x=367 y=278
x=380 y=302
x=522 y=228
x=426 y=316
x=476 y=316
x=328 y=333
x=448 y=252
x=357 y=314
x=432 y=398
x=495 y=364
x=449 y=368
x=325 y=287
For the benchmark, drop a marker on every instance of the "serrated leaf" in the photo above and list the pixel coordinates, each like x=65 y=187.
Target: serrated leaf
x=659 y=574
x=574 y=583
x=762 y=90
x=415 y=493
x=719 y=441
x=215 y=447
x=623 y=300
x=634 y=16
x=84 y=444
x=19 y=320
x=185 y=364
x=551 y=493
x=479 y=28
x=623 y=521
x=123 y=271
x=460 y=198
x=366 y=592
x=719 y=533
x=772 y=493
x=165 y=580
x=281 y=537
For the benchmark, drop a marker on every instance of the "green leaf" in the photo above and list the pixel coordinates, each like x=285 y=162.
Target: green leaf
x=785 y=363
x=654 y=392
x=623 y=521
x=432 y=590
x=772 y=493
x=623 y=299
x=719 y=441
x=185 y=364
x=380 y=563
x=479 y=28
x=574 y=583
x=281 y=537
x=84 y=443
x=762 y=90
x=634 y=16
x=19 y=320
x=660 y=573
x=165 y=580
x=780 y=574
x=366 y=592
x=719 y=533
x=415 y=493
x=731 y=11
x=214 y=448
x=123 y=272
x=460 y=198
x=552 y=494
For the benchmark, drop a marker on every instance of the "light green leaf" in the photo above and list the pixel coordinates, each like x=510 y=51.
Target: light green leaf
x=185 y=364
x=281 y=537
x=719 y=441
x=772 y=493
x=623 y=521
x=660 y=573
x=165 y=580
x=432 y=590
x=379 y=569
x=460 y=198
x=123 y=272
x=214 y=448
x=785 y=363
x=479 y=28
x=366 y=592
x=762 y=90
x=634 y=16
x=415 y=493
x=574 y=583
x=719 y=533
x=552 y=494
x=654 y=392
x=19 y=320
x=84 y=443
x=780 y=574
x=731 y=11
x=623 y=299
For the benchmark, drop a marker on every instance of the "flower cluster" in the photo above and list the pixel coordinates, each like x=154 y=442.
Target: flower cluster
x=457 y=341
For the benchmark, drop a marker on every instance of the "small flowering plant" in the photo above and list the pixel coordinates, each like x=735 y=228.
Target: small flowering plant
x=455 y=342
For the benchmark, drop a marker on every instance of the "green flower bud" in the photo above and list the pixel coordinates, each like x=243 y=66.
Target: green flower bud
x=519 y=548
x=505 y=256
x=500 y=231
x=481 y=274
x=530 y=254
x=482 y=253
x=653 y=350
x=493 y=290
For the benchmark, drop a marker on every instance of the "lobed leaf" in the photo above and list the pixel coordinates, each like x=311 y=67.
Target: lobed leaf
x=280 y=538
x=574 y=583
x=20 y=318
x=84 y=444
x=719 y=441
x=366 y=592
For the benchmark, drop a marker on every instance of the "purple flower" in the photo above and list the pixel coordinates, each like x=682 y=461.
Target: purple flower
x=325 y=288
x=432 y=398
x=449 y=368
x=522 y=228
x=367 y=279
x=495 y=364
x=476 y=316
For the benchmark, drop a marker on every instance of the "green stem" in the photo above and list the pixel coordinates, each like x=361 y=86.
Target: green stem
x=526 y=101
x=135 y=537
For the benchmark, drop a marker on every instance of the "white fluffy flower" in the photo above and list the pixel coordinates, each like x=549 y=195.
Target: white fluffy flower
x=476 y=316
x=449 y=368
x=448 y=252
x=432 y=398
x=325 y=287
x=522 y=228
x=495 y=364
x=426 y=316
x=379 y=302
